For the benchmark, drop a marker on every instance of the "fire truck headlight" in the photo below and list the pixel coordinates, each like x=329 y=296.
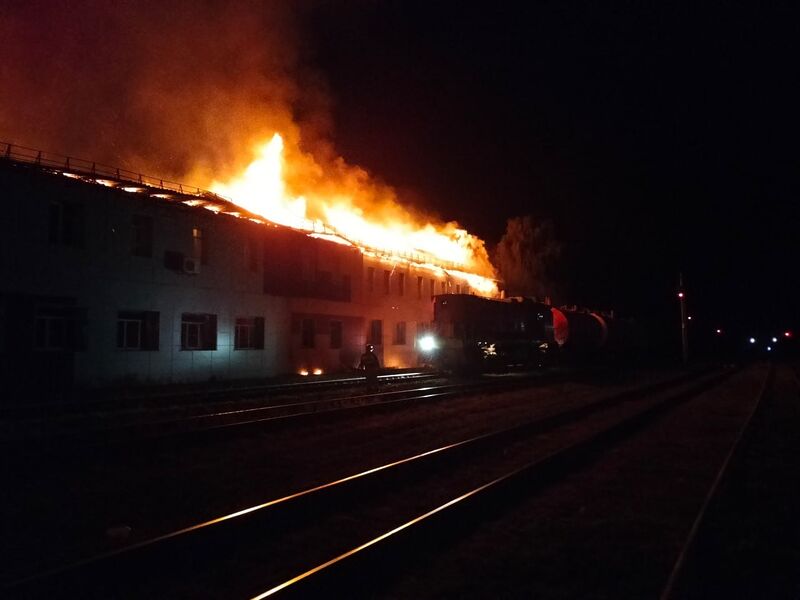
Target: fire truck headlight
x=427 y=343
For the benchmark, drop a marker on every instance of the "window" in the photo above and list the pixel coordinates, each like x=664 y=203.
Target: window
x=458 y=288
x=325 y=280
x=307 y=333
x=65 y=225
x=370 y=279
x=401 y=284
x=431 y=286
x=198 y=331
x=400 y=333
x=59 y=327
x=419 y=288
x=250 y=249
x=142 y=236
x=336 y=335
x=375 y=336
x=387 y=279
x=347 y=286
x=199 y=245
x=248 y=333
x=137 y=330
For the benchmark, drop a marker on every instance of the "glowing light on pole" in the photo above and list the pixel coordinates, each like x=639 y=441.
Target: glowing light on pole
x=684 y=320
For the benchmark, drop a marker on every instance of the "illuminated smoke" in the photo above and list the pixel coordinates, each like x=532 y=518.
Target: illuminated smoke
x=187 y=90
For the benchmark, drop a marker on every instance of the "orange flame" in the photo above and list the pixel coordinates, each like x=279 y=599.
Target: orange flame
x=342 y=210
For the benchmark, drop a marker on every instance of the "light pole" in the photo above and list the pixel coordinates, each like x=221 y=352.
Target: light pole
x=684 y=328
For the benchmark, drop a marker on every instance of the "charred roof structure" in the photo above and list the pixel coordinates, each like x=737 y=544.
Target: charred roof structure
x=111 y=277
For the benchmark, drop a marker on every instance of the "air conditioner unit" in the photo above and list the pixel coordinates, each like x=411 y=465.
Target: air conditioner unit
x=191 y=265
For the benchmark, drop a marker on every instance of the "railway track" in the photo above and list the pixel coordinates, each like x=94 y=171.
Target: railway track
x=232 y=421
x=724 y=556
x=152 y=409
x=324 y=536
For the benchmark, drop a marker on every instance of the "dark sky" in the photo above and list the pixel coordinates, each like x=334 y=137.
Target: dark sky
x=659 y=137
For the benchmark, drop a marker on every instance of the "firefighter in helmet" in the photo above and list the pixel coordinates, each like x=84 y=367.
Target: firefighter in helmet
x=370 y=364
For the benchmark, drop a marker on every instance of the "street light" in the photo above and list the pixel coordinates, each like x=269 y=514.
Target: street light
x=684 y=320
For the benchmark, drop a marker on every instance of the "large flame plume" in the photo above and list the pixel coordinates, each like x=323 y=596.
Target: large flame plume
x=186 y=90
x=354 y=208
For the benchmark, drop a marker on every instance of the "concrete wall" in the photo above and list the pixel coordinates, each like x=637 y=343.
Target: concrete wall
x=251 y=270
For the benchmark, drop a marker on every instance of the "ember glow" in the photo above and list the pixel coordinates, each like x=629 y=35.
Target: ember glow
x=262 y=189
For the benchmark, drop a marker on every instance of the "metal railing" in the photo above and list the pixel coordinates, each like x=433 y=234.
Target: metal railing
x=94 y=170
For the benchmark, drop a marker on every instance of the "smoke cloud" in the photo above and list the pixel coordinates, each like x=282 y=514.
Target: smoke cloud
x=181 y=90
x=163 y=87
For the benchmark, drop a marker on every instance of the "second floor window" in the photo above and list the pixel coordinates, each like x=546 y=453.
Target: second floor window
x=370 y=279
x=66 y=223
x=250 y=250
x=142 y=236
x=199 y=245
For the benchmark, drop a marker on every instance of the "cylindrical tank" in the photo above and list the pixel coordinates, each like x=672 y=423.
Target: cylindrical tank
x=579 y=332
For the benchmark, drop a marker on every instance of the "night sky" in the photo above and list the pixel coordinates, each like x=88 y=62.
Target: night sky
x=659 y=138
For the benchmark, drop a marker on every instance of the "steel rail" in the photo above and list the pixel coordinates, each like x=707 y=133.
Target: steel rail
x=552 y=466
x=685 y=554
x=507 y=435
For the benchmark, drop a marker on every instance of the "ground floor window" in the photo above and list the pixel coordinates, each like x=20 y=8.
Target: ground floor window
x=249 y=333
x=307 y=333
x=137 y=330
x=198 y=331
x=336 y=335
x=400 y=333
x=58 y=327
x=375 y=336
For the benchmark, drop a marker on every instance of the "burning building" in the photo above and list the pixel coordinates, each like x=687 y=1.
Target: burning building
x=112 y=277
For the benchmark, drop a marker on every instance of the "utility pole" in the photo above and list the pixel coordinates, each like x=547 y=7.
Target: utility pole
x=684 y=322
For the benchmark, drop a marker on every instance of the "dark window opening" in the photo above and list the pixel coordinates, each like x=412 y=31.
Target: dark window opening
x=419 y=288
x=248 y=333
x=387 y=279
x=200 y=245
x=59 y=328
x=370 y=279
x=251 y=254
x=400 y=333
x=307 y=333
x=401 y=284
x=336 y=335
x=66 y=224
x=325 y=280
x=347 y=287
x=198 y=331
x=137 y=330
x=375 y=336
x=142 y=236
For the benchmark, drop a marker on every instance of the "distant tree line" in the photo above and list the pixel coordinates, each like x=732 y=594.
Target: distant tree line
x=527 y=258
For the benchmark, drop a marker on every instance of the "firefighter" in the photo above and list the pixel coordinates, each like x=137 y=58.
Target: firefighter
x=370 y=364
